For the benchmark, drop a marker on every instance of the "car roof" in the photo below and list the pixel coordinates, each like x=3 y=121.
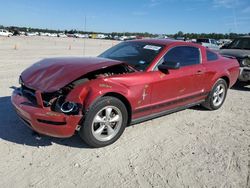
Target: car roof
x=166 y=42
x=246 y=36
x=157 y=41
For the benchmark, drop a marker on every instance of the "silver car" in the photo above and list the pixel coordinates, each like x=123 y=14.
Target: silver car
x=240 y=48
x=209 y=43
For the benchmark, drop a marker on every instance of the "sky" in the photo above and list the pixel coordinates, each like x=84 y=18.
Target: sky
x=153 y=16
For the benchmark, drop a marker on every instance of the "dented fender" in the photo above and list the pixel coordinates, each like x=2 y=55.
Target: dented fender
x=87 y=93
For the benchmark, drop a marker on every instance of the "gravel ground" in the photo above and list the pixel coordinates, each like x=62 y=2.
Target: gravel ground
x=190 y=148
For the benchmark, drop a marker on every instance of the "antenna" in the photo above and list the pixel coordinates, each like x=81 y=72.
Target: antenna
x=235 y=17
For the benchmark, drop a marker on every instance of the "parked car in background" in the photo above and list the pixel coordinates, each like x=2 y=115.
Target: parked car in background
x=224 y=42
x=162 y=36
x=180 y=38
x=240 y=48
x=22 y=33
x=5 y=33
x=116 y=37
x=129 y=83
x=208 y=43
x=101 y=36
x=52 y=35
x=31 y=33
x=70 y=35
x=16 y=33
x=123 y=38
x=78 y=35
x=62 y=35
x=43 y=34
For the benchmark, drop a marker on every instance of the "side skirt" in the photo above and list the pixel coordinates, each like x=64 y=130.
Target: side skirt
x=159 y=114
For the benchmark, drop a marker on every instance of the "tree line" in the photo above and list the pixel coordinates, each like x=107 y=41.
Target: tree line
x=208 y=35
x=141 y=34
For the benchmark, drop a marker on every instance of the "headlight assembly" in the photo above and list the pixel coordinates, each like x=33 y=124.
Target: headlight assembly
x=69 y=107
x=246 y=62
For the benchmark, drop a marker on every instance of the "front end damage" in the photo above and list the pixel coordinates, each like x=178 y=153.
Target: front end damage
x=243 y=58
x=60 y=113
x=244 y=69
x=42 y=113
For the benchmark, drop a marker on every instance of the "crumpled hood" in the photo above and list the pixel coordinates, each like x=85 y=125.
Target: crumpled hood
x=49 y=75
x=235 y=52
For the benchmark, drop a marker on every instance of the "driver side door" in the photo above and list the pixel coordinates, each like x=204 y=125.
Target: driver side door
x=181 y=86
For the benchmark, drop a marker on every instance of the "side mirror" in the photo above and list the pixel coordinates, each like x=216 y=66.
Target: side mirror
x=165 y=66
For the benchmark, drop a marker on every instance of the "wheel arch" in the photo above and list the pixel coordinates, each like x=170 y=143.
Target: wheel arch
x=208 y=101
x=216 y=77
x=124 y=100
x=226 y=78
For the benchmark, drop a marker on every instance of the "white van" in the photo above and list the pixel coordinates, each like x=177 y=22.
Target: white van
x=5 y=33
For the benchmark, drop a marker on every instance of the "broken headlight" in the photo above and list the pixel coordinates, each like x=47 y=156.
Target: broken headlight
x=69 y=107
x=66 y=107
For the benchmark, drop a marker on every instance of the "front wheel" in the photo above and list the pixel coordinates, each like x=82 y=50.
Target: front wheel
x=104 y=122
x=217 y=95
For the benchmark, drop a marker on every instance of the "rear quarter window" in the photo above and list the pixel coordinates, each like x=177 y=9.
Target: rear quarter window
x=211 y=56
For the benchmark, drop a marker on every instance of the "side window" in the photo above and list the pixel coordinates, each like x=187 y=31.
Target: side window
x=211 y=56
x=185 y=55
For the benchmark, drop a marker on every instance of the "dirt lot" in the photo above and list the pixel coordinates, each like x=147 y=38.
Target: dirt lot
x=190 y=148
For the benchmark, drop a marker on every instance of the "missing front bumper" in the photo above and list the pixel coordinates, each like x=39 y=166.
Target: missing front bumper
x=43 y=120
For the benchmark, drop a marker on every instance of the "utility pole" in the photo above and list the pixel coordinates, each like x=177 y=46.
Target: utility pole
x=84 y=40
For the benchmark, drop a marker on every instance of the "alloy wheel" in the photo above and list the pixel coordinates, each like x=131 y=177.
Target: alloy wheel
x=219 y=95
x=107 y=123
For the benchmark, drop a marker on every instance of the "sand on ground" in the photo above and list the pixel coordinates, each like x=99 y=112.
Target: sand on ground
x=190 y=148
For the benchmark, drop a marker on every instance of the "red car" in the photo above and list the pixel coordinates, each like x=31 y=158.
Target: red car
x=129 y=83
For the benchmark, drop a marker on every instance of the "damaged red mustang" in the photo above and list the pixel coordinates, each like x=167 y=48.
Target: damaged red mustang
x=131 y=82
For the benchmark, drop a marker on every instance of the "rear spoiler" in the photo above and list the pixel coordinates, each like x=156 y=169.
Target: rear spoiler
x=228 y=56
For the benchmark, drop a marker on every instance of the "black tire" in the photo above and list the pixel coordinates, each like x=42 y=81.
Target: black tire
x=87 y=132
x=209 y=102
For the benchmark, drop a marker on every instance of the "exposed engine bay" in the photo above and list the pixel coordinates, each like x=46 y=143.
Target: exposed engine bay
x=105 y=72
x=56 y=100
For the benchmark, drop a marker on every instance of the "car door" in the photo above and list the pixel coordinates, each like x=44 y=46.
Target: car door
x=182 y=86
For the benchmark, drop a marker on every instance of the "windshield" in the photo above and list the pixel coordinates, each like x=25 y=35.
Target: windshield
x=137 y=54
x=241 y=43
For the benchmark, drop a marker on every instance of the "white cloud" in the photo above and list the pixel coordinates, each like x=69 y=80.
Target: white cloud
x=224 y=3
x=246 y=10
x=154 y=3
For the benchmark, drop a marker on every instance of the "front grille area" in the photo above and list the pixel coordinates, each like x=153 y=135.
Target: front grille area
x=51 y=122
x=30 y=94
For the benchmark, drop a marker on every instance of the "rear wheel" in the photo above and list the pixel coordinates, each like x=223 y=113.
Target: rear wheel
x=217 y=95
x=104 y=122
